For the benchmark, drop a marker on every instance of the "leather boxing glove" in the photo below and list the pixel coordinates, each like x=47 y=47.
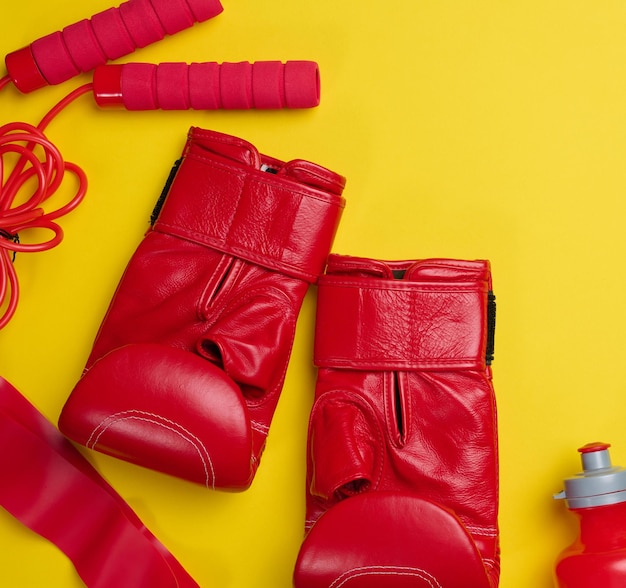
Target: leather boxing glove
x=402 y=473
x=187 y=367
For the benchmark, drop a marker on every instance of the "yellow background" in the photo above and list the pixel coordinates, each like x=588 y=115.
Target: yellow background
x=471 y=129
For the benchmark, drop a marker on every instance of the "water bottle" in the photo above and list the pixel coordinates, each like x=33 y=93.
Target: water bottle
x=597 y=497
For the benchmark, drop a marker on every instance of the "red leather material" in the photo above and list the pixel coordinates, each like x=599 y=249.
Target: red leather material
x=189 y=362
x=264 y=218
x=346 y=424
x=385 y=540
x=404 y=406
x=158 y=378
x=394 y=336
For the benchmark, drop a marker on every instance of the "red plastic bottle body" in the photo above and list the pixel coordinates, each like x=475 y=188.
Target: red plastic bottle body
x=597 y=559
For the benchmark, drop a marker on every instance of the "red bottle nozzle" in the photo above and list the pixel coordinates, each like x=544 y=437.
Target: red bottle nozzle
x=593 y=447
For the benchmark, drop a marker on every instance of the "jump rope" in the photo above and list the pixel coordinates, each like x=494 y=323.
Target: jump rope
x=38 y=168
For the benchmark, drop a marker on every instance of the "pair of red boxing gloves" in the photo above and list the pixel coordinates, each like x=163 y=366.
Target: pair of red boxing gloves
x=189 y=362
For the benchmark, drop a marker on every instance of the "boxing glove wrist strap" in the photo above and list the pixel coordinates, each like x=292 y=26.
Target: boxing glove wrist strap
x=284 y=220
x=48 y=486
x=414 y=325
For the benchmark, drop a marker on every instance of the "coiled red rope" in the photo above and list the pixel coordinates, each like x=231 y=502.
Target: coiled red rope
x=38 y=172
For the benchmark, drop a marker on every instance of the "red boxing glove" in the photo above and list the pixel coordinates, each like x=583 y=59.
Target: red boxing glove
x=402 y=482
x=188 y=365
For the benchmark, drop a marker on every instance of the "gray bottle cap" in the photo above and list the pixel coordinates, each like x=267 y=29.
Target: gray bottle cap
x=599 y=483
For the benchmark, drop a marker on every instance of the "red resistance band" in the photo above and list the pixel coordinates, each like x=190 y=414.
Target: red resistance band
x=51 y=488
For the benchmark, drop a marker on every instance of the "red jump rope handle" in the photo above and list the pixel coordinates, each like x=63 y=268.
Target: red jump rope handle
x=208 y=86
x=110 y=34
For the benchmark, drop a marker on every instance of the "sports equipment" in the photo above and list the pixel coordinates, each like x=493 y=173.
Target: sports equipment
x=402 y=482
x=208 y=86
x=64 y=499
x=108 y=35
x=189 y=363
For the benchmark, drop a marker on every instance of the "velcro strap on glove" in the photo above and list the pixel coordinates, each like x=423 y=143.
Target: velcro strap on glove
x=283 y=219
x=400 y=325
